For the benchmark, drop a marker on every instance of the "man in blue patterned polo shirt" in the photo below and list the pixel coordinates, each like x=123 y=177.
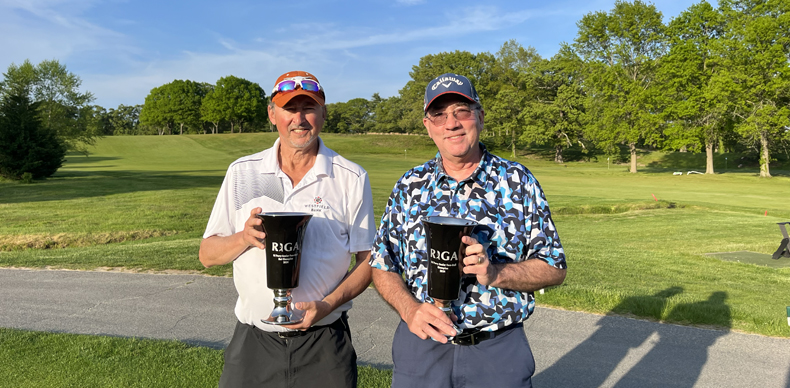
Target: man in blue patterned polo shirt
x=514 y=250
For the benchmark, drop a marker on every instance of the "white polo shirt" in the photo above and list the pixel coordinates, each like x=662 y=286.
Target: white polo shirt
x=335 y=191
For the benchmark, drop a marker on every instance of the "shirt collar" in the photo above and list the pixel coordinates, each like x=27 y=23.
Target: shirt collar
x=479 y=174
x=322 y=165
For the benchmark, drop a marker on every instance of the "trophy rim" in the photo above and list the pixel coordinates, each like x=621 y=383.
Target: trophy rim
x=284 y=214
x=450 y=221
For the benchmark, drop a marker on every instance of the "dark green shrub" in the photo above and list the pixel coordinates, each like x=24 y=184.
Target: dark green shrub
x=25 y=146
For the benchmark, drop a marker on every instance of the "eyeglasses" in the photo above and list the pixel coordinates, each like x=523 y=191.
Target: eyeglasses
x=289 y=84
x=441 y=118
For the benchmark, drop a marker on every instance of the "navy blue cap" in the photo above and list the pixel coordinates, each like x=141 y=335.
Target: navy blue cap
x=450 y=83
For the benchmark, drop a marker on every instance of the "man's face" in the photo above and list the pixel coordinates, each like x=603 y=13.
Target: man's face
x=299 y=122
x=455 y=139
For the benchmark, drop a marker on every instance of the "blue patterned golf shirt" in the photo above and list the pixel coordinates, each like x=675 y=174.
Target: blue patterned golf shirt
x=514 y=224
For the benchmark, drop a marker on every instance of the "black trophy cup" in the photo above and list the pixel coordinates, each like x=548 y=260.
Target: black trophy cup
x=445 y=258
x=284 y=234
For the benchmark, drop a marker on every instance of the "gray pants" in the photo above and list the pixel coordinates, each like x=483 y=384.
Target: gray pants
x=504 y=361
x=322 y=357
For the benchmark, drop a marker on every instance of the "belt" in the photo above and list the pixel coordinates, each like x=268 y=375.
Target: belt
x=474 y=337
x=339 y=324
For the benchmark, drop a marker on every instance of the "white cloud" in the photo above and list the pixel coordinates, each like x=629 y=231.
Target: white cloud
x=475 y=19
x=337 y=52
x=326 y=49
x=39 y=30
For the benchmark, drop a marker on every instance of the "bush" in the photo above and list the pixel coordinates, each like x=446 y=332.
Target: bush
x=25 y=146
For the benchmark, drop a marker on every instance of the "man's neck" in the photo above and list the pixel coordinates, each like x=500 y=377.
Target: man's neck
x=461 y=168
x=296 y=162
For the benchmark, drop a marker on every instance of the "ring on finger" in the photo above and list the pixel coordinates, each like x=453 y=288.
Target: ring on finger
x=480 y=259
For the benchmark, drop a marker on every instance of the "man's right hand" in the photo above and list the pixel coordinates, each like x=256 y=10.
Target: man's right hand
x=426 y=320
x=252 y=234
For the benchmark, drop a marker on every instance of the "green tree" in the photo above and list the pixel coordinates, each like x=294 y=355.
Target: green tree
x=60 y=102
x=95 y=120
x=25 y=145
x=696 y=100
x=357 y=115
x=622 y=50
x=388 y=113
x=557 y=116
x=516 y=70
x=125 y=119
x=19 y=80
x=176 y=104
x=158 y=110
x=235 y=100
x=757 y=47
x=189 y=97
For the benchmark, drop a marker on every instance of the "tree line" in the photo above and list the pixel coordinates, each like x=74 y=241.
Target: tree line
x=44 y=115
x=713 y=79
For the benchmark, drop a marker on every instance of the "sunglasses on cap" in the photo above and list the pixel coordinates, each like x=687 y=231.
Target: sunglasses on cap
x=289 y=85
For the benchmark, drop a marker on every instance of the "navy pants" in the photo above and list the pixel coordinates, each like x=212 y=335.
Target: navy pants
x=504 y=361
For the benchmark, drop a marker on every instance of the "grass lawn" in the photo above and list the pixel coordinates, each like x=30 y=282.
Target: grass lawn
x=635 y=243
x=41 y=360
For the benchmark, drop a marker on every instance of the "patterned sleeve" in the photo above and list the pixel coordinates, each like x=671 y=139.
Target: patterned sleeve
x=544 y=242
x=387 y=247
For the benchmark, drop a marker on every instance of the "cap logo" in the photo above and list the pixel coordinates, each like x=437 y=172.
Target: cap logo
x=446 y=81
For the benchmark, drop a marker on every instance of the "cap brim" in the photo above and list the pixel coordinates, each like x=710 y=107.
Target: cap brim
x=282 y=98
x=428 y=105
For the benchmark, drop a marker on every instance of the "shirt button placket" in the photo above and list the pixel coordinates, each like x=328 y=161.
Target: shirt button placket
x=455 y=207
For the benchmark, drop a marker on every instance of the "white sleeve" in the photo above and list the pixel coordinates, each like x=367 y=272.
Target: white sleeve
x=220 y=223
x=362 y=226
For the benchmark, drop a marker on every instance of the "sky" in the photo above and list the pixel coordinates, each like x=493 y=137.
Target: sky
x=122 y=49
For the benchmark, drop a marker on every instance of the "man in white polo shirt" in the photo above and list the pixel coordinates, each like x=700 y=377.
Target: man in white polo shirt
x=298 y=174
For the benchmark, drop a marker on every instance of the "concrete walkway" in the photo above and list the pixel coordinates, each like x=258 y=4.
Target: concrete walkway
x=571 y=349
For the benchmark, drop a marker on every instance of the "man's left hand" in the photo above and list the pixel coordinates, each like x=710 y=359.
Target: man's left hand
x=313 y=312
x=477 y=262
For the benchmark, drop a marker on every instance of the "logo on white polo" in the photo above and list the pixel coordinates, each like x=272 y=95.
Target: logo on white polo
x=318 y=205
x=444 y=255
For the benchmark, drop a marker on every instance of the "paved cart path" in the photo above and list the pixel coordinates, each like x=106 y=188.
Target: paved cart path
x=572 y=349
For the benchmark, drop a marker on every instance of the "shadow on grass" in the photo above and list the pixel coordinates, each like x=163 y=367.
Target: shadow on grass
x=743 y=171
x=80 y=159
x=84 y=184
x=217 y=345
x=729 y=163
x=677 y=353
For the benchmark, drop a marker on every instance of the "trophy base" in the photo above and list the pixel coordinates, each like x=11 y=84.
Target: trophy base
x=273 y=321
x=282 y=313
